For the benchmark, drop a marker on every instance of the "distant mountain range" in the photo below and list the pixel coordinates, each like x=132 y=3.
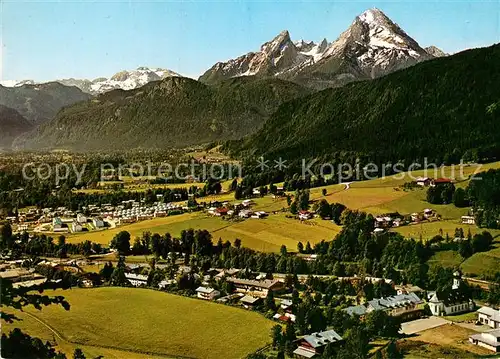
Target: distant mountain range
x=272 y=98
x=371 y=47
x=125 y=80
x=40 y=103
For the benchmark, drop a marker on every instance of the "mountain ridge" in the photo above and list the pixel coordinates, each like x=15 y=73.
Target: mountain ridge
x=372 y=46
x=173 y=112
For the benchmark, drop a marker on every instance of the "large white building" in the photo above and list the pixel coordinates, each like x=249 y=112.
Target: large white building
x=451 y=302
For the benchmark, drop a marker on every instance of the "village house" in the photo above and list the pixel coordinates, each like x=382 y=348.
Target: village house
x=221 y=211
x=423 y=181
x=207 y=293
x=137 y=280
x=80 y=218
x=245 y=213
x=287 y=317
x=98 y=222
x=305 y=215
x=489 y=316
x=57 y=223
x=313 y=345
x=260 y=288
x=468 y=220
x=415 y=217
x=259 y=214
x=489 y=340
x=247 y=203
x=451 y=302
x=428 y=213
x=76 y=227
x=286 y=304
x=398 y=305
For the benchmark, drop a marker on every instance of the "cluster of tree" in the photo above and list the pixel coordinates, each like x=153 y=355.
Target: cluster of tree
x=331 y=211
x=483 y=193
x=43 y=245
x=17 y=344
x=441 y=194
x=480 y=242
x=300 y=201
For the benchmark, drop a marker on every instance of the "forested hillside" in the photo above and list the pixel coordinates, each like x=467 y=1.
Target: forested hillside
x=440 y=109
x=173 y=112
x=12 y=124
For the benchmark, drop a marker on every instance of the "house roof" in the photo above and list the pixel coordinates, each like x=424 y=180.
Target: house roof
x=304 y=352
x=442 y=180
x=395 y=301
x=248 y=299
x=136 y=276
x=320 y=339
x=267 y=284
x=356 y=309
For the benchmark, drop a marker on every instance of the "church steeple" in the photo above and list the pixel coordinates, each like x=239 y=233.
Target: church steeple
x=457 y=279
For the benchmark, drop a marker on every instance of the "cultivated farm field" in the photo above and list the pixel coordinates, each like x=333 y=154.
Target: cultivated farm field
x=150 y=324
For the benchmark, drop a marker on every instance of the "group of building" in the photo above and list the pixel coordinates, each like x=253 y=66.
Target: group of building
x=241 y=210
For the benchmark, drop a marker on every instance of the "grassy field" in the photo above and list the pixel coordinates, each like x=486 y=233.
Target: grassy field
x=447 y=259
x=153 y=323
x=267 y=234
x=483 y=263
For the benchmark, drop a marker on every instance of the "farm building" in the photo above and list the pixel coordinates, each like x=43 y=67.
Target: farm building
x=423 y=181
x=313 y=345
x=489 y=316
x=304 y=215
x=489 y=340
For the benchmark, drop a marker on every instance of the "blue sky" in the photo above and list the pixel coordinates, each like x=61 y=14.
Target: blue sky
x=45 y=40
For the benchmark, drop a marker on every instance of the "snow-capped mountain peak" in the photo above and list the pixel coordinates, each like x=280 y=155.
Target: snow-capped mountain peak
x=125 y=80
x=128 y=80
